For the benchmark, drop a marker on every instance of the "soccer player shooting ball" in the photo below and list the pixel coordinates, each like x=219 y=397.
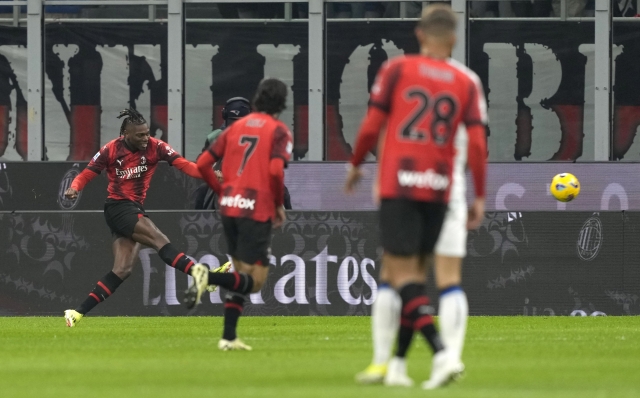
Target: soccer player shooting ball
x=130 y=162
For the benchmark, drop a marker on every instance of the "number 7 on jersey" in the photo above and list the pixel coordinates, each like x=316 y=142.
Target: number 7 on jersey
x=250 y=142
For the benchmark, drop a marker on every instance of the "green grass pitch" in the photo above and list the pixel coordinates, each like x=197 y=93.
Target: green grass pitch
x=309 y=357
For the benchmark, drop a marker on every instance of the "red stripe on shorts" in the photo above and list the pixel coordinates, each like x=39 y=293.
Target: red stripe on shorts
x=106 y=289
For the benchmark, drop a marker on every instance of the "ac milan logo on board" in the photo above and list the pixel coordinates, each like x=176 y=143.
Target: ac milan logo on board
x=590 y=239
x=63 y=202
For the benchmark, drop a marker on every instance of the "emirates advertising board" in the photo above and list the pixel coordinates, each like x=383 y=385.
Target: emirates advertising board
x=327 y=263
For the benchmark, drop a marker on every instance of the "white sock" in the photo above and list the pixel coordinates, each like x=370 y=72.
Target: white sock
x=452 y=319
x=385 y=321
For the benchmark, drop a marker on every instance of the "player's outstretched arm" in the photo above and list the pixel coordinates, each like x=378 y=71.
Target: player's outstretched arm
x=367 y=139
x=477 y=153
x=205 y=166
x=187 y=167
x=276 y=170
x=79 y=183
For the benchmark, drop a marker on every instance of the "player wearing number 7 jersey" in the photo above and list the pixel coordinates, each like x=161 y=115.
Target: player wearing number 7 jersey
x=255 y=150
x=422 y=99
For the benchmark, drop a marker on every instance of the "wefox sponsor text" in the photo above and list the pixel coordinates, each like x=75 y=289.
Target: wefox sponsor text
x=238 y=201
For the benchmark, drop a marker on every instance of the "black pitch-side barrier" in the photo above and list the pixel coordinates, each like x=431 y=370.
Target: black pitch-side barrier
x=327 y=263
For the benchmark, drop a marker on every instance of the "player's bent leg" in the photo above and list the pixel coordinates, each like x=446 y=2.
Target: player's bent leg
x=236 y=281
x=245 y=279
x=125 y=252
x=259 y=274
x=146 y=232
x=248 y=242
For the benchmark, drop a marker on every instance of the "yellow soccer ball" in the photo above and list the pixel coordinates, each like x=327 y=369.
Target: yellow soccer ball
x=565 y=187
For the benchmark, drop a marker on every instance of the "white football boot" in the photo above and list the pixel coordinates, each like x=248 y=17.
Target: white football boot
x=445 y=368
x=397 y=373
x=233 y=345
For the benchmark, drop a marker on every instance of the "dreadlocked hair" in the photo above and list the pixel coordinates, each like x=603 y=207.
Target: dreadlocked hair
x=132 y=117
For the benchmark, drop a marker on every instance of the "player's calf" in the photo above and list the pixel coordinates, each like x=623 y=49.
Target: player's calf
x=452 y=315
x=233 y=306
x=238 y=282
x=417 y=314
x=178 y=260
x=223 y=269
x=101 y=291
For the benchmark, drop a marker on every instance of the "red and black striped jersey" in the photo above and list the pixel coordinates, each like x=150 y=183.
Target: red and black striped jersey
x=130 y=171
x=424 y=99
x=247 y=148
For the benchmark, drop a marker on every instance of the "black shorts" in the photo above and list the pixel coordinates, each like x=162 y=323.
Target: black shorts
x=248 y=240
x=122 y=216
x=409 y=227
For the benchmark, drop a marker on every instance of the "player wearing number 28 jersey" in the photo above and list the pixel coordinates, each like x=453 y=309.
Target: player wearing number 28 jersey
x=421 y=99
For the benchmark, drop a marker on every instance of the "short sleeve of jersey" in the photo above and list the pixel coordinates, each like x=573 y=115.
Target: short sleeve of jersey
x=218 y=146
x=382 y=89
x=476 y=112
x=166 y=153
x=100 y=160
x=282 y=143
